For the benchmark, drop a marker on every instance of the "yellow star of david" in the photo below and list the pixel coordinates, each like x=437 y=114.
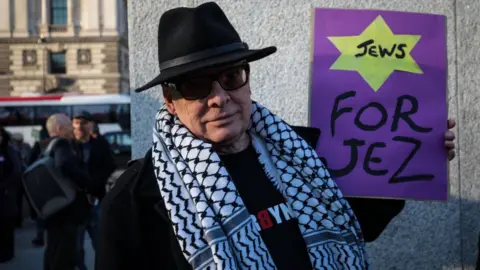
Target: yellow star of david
x=376 y=53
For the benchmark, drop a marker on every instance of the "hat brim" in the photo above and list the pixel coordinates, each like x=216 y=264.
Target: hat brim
x=168 y=74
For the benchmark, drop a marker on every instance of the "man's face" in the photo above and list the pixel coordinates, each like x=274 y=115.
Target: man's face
x=222 y=116
x=81 y=128
x=64 y=128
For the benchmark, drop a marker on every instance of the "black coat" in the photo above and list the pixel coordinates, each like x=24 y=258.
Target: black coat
x=10 y=182
x=136 y=233
x=101 y=164
x=65 y=160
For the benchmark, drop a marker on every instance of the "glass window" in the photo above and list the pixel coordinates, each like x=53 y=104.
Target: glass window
x=119 y=139
x=16 y=116
x=57 y=63
x=124 y=116
x=58 y=12
x=110 y=138
x=43 y=112
x=125 y=139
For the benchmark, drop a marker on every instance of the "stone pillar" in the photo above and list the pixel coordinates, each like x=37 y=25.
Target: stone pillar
x=5 y=27
x=90 y=21
x=110 y=13
x=70 y=17
x=468 y=77
x=21 y=18
x=44 y=17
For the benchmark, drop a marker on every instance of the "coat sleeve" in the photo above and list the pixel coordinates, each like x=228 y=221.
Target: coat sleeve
x=65 y=160
x=160 y=248
x=134 y=229
x=374 y=215
x=34 y=154
x=118 y=237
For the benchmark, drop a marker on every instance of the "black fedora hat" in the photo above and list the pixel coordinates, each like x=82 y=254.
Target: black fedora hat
x=190 y=39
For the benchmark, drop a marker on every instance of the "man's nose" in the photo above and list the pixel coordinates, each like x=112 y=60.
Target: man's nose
x=218 y=97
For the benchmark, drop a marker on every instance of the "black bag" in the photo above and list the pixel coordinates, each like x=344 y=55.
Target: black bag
x=47 y=189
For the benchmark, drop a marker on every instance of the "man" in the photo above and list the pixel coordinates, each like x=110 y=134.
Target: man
x=95 y=133
x=228 y=184
x=10 y=181
x=37 y=150
x=97 y=159
x=62 y=228
x=23 y=147
x=94 y=153
x=24 y=150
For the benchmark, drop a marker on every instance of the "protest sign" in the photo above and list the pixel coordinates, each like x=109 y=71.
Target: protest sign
x=379 y=97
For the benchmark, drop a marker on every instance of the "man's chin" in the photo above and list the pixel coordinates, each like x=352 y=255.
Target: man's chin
x=225 y=136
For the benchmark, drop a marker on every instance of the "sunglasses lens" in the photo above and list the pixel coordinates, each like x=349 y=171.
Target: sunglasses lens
x=233 y=79
x=196 y=88
x=199 y=88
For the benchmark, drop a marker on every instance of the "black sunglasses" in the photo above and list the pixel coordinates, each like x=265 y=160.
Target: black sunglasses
x=200 y=87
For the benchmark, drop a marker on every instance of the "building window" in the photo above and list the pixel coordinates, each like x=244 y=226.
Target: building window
x=84 y=56
x=58 y=12
x=29 y=58
x=57 y=63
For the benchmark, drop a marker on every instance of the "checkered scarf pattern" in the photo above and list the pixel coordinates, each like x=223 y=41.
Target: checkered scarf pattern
x=211 y=223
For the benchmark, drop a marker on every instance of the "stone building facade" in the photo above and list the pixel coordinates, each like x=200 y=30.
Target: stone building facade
x=63 y=45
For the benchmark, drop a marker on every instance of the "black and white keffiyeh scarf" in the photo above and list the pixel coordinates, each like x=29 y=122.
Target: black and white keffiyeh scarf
x=212 y=225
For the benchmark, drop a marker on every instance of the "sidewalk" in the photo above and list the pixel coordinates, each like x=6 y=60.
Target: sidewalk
x=28 y=257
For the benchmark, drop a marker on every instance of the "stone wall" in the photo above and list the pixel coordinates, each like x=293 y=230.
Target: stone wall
x=426 y=235
x=92 y=67
x=5 y=87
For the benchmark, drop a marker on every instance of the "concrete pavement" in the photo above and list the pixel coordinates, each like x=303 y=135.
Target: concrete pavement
x=28 y=257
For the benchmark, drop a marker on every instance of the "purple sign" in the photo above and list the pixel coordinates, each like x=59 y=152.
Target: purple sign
x=379 y=97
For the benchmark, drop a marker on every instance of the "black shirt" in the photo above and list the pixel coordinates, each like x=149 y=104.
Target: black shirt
x=277 y=225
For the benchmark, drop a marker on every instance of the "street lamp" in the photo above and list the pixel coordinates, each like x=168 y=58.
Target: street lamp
x=42 y=40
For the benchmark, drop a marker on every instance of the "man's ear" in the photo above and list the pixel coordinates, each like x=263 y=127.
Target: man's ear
x=58 y=130
x=167 y=97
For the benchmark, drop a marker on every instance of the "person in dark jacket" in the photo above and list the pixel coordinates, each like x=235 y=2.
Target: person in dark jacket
x=228 y=184
x=97 y=158
x=10 y=182
x=62 y=227
x=94 y=153
x=23 y=150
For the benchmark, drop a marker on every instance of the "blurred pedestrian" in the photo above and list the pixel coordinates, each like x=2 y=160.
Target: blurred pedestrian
x=63 y=226
x=97 y=159
x=24 y=151
x=23 y=147
x=95 y=133
x=10 y=181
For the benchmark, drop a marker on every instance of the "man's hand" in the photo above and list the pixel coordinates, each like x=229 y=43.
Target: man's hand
x=449 y=137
